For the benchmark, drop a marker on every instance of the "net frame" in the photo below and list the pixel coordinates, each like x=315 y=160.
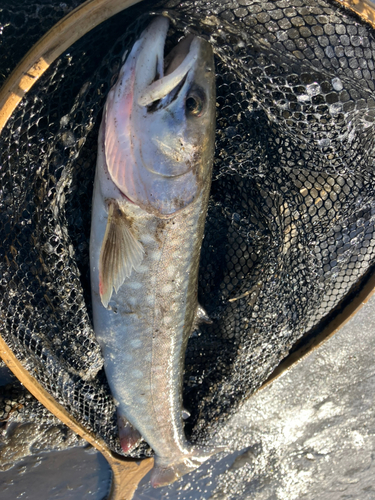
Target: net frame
x=364 y=8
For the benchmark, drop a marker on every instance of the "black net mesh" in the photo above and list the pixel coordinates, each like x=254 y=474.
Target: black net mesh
x=23 y=23
x=290 y=225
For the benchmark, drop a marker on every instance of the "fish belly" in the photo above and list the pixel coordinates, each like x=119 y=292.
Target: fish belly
x=143 y=333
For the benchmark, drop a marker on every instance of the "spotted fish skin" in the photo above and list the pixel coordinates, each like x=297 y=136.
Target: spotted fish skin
x=144 y=333
x=146 y=235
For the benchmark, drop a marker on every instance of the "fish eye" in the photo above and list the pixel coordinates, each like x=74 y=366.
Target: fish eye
x=194 y=103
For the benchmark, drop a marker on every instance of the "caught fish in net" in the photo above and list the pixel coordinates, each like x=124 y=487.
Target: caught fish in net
x=290 y=223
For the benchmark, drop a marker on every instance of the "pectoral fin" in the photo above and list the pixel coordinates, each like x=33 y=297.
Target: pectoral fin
x=121 y=252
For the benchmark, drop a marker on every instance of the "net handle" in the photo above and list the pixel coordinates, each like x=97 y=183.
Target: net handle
x=126 y=474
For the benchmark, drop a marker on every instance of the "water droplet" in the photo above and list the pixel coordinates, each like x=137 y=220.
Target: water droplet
x=64 y=121
x=324 y=143
x=68 y=139
x=303 y=97
x=337 y=84
x=313 y=89
x=335 y=108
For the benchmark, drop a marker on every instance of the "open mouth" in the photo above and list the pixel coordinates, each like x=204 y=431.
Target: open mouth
x=166 y=76
x=170 y=97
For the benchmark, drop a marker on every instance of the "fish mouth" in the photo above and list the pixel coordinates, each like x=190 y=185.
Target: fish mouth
x=159 y=76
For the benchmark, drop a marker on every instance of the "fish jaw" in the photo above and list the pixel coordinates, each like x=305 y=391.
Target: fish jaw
x=153 y=143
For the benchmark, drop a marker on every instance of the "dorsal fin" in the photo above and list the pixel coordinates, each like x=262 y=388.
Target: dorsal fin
x=121 y=252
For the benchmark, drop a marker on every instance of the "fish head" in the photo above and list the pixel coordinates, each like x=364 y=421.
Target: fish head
x=165 y=147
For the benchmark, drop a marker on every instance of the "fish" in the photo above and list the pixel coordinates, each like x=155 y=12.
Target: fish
x=151 y=190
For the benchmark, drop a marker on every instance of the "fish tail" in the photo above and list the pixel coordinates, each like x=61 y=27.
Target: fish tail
x=163 y=473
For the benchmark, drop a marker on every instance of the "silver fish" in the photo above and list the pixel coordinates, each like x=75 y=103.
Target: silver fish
x=152 y=183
